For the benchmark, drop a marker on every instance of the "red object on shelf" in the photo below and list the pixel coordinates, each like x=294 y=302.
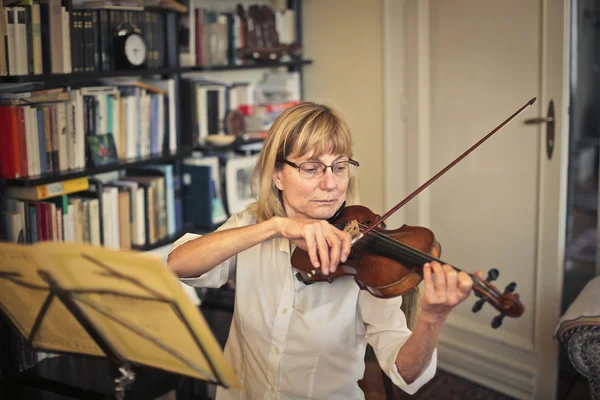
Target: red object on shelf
x=248 y=109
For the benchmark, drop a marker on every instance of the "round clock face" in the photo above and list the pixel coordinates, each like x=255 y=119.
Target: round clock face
x=135 y=49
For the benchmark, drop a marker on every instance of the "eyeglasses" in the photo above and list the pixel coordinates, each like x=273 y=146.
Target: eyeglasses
x=316 y=169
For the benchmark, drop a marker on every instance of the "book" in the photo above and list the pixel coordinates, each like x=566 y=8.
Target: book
x=42 y=192
x=63 y=297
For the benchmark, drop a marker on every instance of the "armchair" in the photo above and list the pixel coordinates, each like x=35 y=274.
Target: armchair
x=579 y=330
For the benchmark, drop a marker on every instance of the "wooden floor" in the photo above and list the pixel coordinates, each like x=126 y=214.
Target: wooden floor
x=445 y=386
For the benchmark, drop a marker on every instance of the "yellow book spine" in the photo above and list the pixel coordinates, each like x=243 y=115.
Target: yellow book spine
x=64 y=187
x=42 y=192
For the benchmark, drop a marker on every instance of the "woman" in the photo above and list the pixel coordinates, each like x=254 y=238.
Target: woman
x=291 y=340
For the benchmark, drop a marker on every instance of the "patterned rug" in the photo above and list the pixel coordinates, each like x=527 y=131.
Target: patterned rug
x=445 y=386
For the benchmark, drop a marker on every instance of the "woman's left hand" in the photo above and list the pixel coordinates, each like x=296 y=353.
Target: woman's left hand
x=444 y=288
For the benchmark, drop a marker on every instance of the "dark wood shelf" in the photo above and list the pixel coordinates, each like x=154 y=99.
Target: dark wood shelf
x=169 y=239
x=90 y=76
x=86 y=76
x=253 y=65
x=71 y=174
x=235 y=145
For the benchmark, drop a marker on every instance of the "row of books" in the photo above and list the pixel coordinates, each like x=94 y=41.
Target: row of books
x=137 y=210
x=208 y=105
x=141 y=207
x=52 y=130
x=101 y=27
x=138 y=115
x=43 y=37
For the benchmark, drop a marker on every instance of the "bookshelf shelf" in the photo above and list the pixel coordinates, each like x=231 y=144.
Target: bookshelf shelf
x=60 y=176
x=236 y=145
x=207 y=68
x=160 y=243
x=87 y=76
x=90 y=76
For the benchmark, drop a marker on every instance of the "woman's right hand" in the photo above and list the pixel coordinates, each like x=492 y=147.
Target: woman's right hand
x=326 y=245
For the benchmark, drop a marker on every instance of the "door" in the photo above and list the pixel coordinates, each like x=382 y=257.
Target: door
x=465 y=66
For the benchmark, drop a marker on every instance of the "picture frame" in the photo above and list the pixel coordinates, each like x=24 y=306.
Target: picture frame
x=238 y=183
x=102 y=149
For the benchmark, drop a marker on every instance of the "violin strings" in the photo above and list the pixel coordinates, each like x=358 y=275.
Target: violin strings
x=416 y=256
x=396 y=246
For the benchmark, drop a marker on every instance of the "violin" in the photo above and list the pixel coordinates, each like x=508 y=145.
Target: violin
x=389 y=262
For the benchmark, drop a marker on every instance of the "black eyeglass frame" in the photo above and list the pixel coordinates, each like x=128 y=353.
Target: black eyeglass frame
x=297 y=166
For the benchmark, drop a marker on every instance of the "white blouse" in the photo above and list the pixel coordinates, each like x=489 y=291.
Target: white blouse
x=289 y=340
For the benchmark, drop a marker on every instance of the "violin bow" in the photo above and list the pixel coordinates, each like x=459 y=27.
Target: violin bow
x=445 y=169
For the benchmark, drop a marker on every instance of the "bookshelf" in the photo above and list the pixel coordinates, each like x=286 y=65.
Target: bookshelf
x=167 y=66
x=65 y=79
x=77 y=173
x=77 y=77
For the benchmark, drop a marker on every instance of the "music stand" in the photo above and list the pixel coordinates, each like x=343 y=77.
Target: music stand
x=126 y=306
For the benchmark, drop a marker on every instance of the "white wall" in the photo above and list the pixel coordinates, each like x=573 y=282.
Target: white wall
x=347 y=73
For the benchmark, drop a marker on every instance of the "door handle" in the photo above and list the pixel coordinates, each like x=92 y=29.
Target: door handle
x=549 y=120
x=537 y=121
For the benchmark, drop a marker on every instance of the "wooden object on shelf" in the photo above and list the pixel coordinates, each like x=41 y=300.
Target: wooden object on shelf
x=262 y=40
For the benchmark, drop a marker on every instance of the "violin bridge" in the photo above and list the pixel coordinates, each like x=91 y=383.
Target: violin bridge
x=353 y=229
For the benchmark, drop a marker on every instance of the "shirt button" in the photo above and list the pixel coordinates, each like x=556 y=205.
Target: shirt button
x=284 y=311
x=272 y=388
x=276 y=350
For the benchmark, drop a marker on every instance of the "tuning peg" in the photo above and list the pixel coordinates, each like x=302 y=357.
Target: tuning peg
x=478 y=304
x=492 y=275
x=497 y=321
x=510 y=287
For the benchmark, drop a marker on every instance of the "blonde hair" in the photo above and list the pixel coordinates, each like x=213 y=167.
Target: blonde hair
x=307 y=128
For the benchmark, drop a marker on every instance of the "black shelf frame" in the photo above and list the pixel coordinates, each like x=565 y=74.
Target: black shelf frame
x=78 y=173
x=64 y=79
x=161 y=242
x=247 y=66
x=235 y=145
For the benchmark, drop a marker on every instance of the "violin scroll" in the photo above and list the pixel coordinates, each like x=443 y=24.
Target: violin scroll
x=507 y=302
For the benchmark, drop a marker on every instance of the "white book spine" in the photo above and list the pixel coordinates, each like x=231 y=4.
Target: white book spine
x=113 y=195
x=94 y=221
x=106 y=220
x=172 y=121
x=9 y=16
x=132 y=131
x=116 y=124
x=160 y=118
x=66 y=40
x=37 y=39
x=31 y=153
x=63 y=142
x=21 y=40
x=140 y=217
x=36 y=141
